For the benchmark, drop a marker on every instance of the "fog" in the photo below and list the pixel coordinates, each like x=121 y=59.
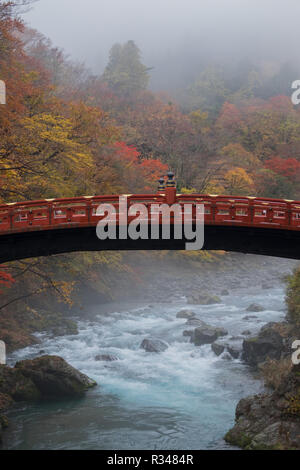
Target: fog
x=176 y=37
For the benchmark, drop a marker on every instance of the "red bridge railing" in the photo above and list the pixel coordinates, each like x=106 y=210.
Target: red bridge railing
x=81 y=211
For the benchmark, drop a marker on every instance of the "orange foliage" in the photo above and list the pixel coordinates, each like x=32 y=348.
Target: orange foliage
x=6 y=280
x=289 y=167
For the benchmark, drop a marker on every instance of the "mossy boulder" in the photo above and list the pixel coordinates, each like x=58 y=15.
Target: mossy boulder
x=188 y=314
x=45 y=377
x=203 y=298
x=54 y=377
x=16 y=385
x=207 y=334
x=269 y=344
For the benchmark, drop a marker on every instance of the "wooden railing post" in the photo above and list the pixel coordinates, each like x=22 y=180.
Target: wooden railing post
x=252 y=211
x=214 y=211
x=11 y=218
x=289 y=214
x=69 y=214
x=232 y=211
x=270 y=214
x=50 y=214
x=30 y=218
x=89 y=211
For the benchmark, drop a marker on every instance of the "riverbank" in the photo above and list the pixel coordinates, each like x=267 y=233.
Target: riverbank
x=272 y=420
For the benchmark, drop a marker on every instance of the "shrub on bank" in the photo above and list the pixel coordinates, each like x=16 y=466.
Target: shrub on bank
x=274 y=371
x=293 y=297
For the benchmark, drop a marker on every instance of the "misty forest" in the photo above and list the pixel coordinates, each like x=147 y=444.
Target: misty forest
x=176 y=349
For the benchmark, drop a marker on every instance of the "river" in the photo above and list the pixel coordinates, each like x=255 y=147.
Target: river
x=183 y=398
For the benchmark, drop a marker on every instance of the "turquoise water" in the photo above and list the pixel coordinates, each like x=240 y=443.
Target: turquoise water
x=183 y=398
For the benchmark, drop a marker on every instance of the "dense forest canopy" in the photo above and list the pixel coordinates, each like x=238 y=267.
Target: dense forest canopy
x=232 y=129
x=67 y=132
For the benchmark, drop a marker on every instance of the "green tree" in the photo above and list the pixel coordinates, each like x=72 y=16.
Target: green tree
x=209 y=91
x=125 y=73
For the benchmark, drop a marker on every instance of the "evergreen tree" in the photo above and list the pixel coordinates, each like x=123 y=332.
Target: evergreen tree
x=125 y=73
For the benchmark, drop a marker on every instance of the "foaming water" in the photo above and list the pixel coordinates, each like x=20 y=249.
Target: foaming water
x=183 y=398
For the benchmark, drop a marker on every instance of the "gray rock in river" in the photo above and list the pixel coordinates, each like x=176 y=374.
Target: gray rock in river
x=154 y=345
x=188 y=333
x=250 y=317
x=255 y=308
x=234 y=351
x=186 y=314
x=204 y=298
x=106 y=358
x=218 y=348
x=247 y=333
x=195 y=322
x=207 y=334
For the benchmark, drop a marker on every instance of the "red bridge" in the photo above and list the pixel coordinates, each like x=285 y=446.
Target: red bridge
x=242 y=224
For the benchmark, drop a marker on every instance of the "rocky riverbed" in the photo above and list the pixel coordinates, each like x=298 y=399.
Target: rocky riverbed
x=174 y=359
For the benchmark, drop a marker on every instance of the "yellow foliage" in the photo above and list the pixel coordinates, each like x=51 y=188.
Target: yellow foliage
x=46 y=160
x=237 y=156
x=238 y=182
x=188 y=191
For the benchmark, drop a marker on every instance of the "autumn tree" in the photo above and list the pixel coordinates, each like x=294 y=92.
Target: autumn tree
x=288 y=167
x=67 y=77
x=236 y=155
x=238 y=182
x=123 y=169
x=270 y=184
